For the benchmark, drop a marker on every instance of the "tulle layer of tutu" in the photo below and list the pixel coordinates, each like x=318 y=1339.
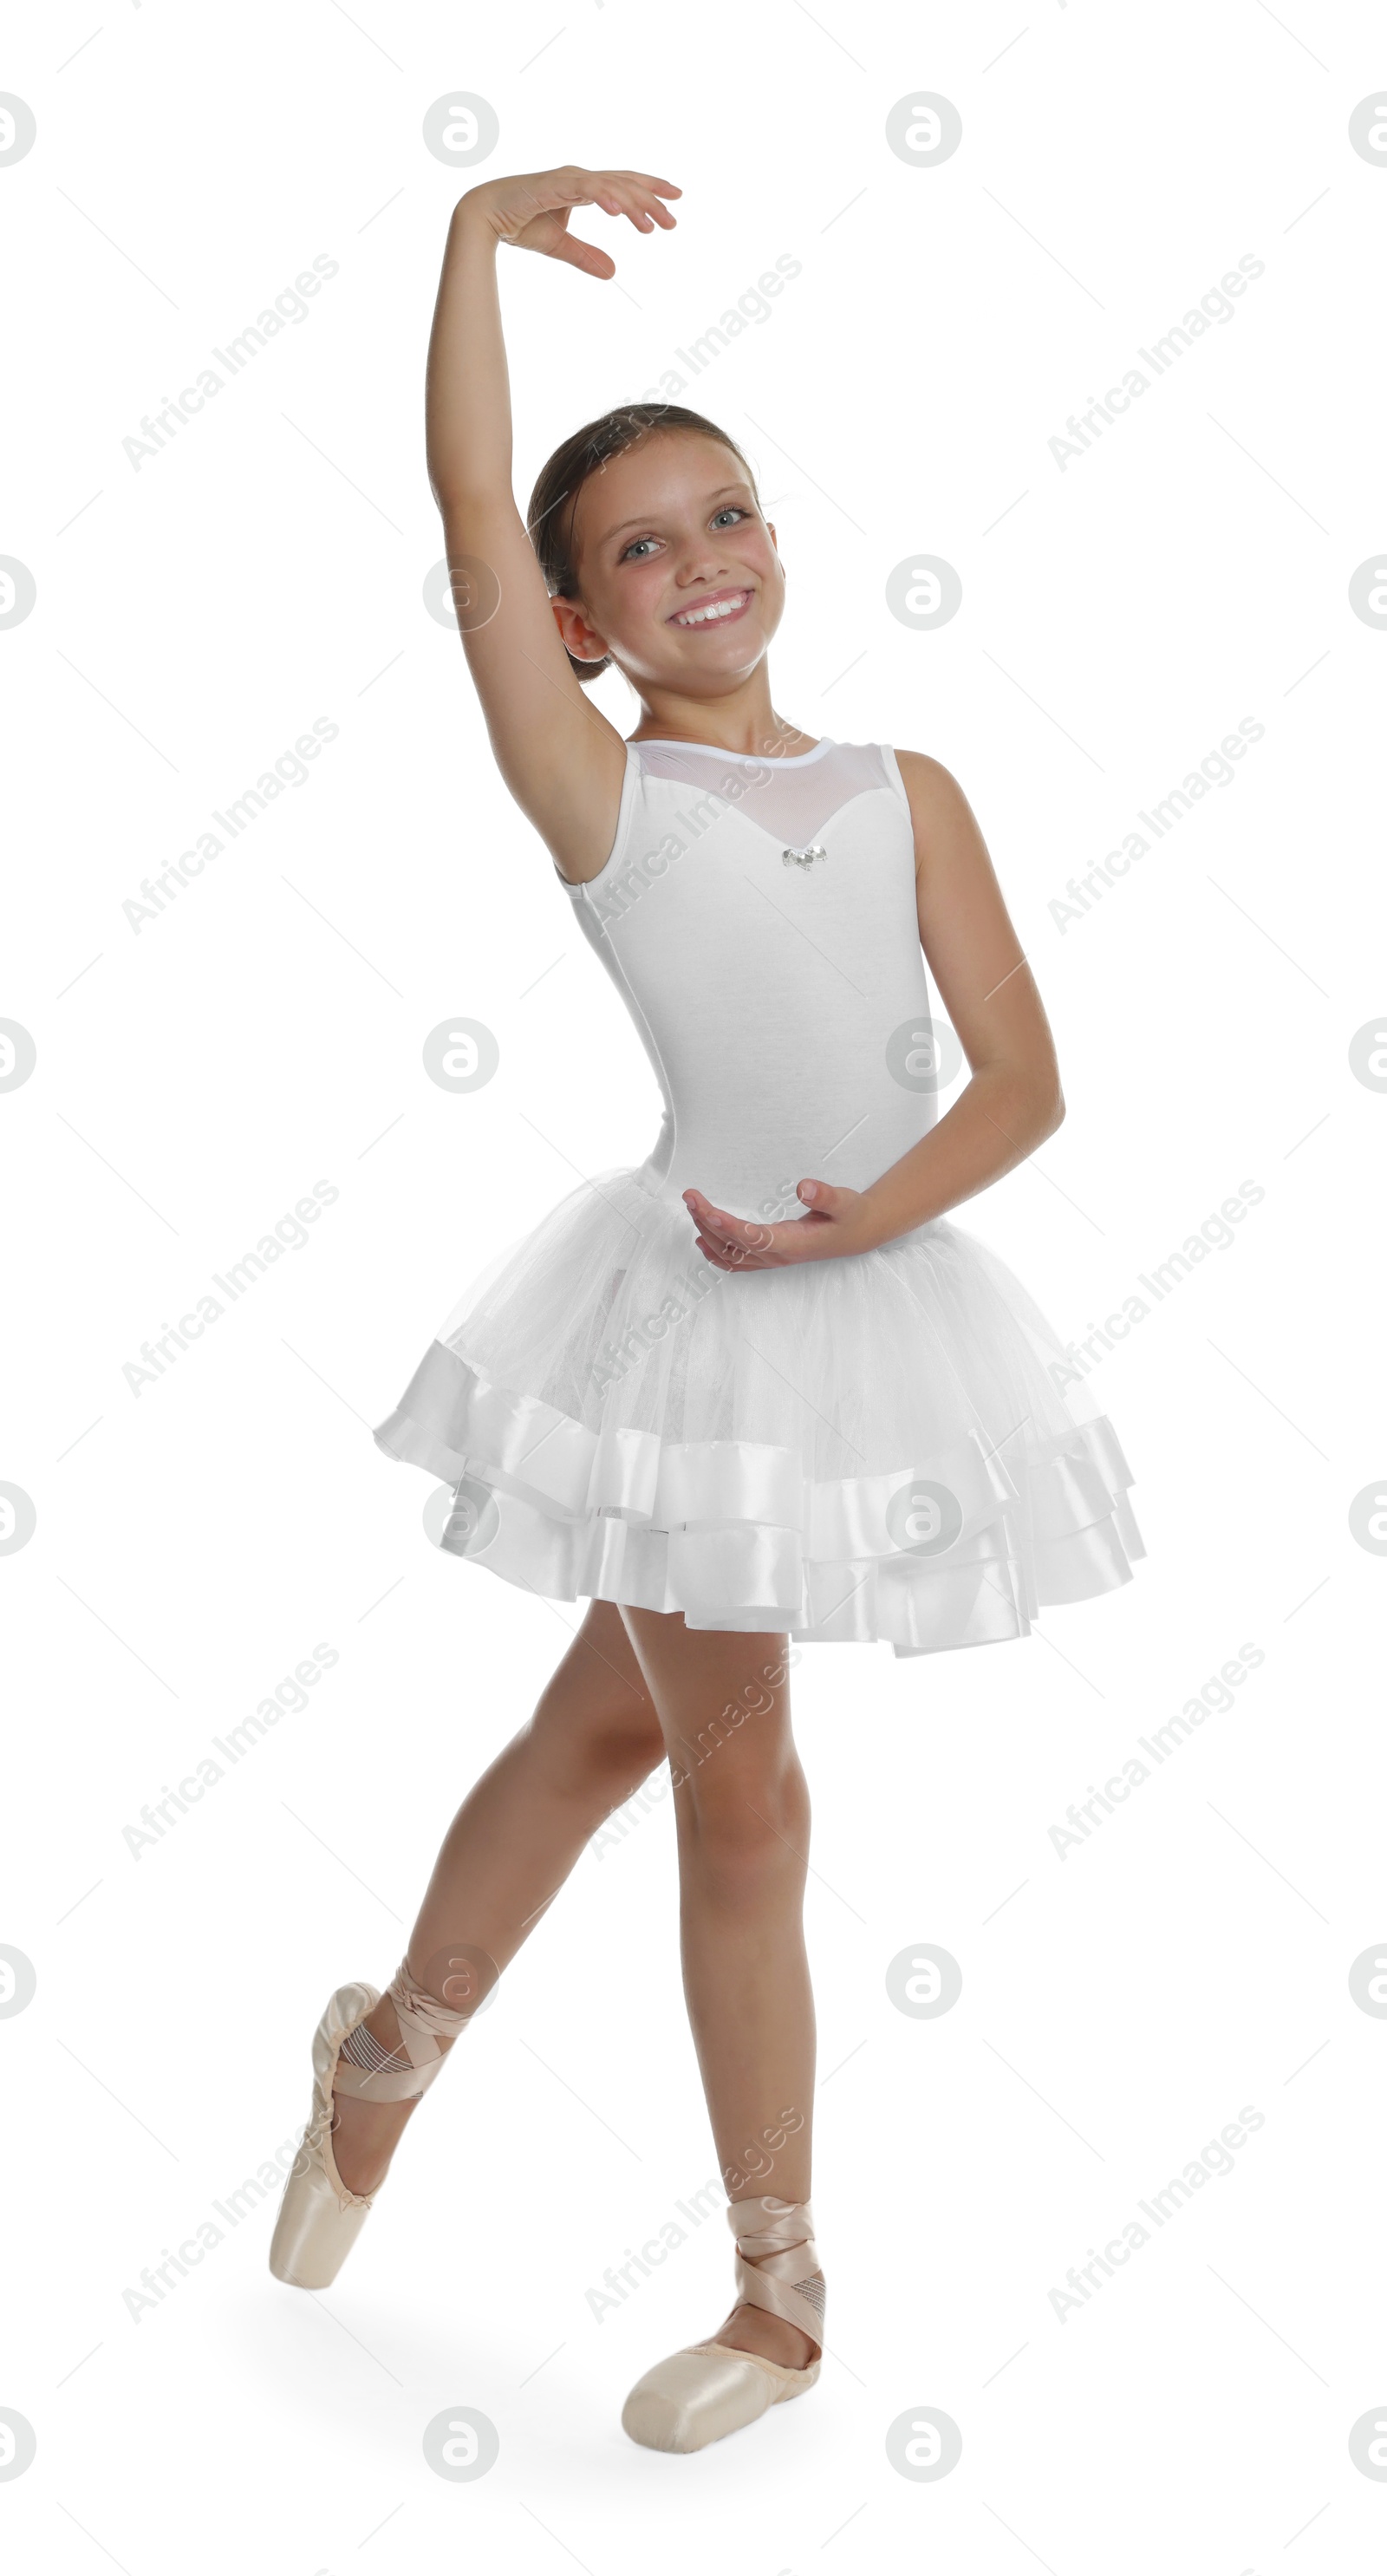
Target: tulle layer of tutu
x=889 y=1445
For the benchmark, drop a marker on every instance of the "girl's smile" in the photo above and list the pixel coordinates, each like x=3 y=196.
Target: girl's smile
x=717 y=608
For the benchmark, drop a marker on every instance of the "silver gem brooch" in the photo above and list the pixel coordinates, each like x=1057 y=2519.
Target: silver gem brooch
x=804 y=858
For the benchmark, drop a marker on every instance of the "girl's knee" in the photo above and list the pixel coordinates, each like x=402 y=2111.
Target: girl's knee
x=747 y=1816
x=598 y=1747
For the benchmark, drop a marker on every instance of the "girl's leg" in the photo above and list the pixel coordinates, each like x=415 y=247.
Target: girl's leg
x=741 y=1805
x=593 y=1738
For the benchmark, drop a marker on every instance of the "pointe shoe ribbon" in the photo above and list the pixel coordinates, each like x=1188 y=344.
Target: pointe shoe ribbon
x=424 y=2019
x=778 y=2261
x=710 y=2389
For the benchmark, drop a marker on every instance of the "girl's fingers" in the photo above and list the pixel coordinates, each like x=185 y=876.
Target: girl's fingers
x=738 y=1235
x=660 y=211
x=716 y=1221
x=631 y=193
x=640 y=213
x=736 y=1243
x=645 y=179
x=551 y=190
x=716 y=1232
x=739 y=1243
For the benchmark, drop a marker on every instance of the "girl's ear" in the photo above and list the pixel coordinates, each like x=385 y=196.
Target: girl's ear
x=578 y=638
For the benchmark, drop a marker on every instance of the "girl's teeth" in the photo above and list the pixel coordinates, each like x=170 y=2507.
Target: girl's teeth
x=704 y=616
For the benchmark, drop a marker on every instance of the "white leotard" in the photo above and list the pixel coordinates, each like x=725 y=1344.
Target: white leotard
x=782 y=999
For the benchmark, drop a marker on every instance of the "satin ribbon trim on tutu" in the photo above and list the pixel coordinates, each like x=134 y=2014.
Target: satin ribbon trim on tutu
x=733 y=1534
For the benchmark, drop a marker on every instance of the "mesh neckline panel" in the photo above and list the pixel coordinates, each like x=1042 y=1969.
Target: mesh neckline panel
x=791 y=799
x=778 y=760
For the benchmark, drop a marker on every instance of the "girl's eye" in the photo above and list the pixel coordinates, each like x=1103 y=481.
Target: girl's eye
x=729 y=510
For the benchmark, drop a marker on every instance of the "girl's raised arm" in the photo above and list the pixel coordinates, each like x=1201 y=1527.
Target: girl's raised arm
x=561 y=759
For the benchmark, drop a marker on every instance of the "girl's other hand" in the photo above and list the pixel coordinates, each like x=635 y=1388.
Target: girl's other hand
x=531 y=209
x=835 y=1221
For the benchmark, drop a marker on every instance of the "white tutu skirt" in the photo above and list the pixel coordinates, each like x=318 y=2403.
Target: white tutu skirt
x=870 y=1447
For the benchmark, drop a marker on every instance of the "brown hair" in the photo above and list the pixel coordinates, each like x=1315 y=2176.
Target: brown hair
x=554 y=499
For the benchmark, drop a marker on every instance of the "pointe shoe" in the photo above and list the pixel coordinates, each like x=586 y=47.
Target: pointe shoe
x=710 y=2389
x=319 y=2219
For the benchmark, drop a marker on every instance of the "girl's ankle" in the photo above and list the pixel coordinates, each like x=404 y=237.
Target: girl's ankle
x=364 y=2138
x=752 y=2329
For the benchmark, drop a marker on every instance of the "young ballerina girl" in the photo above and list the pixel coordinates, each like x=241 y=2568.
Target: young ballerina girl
x=757 y=1389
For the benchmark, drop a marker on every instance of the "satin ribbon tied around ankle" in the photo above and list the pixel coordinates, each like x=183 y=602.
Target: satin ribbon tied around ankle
x=778 y=2261
x=423 y=2021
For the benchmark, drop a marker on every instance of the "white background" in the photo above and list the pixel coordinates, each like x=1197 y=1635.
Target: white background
x=195 y=1078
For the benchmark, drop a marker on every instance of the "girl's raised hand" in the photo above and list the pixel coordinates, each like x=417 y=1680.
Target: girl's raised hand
x=835 y=1221
x=531 y=209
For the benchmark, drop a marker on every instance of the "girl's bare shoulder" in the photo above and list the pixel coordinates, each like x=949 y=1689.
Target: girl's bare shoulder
x=926 y=777
x=943 y=818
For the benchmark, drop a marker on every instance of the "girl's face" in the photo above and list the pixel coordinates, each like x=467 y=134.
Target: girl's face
x=679 y=579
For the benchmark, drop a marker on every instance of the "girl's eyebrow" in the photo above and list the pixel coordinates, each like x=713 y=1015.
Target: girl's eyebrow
x=719 y=495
